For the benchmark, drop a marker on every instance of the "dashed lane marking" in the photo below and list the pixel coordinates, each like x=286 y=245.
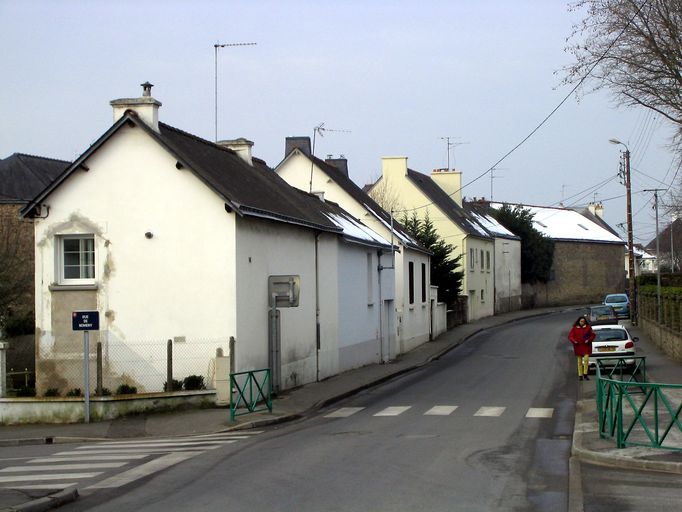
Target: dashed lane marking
x=441 y=410
x=540 y=412
x=344 y=412
x=490 y=411
x=393 y=411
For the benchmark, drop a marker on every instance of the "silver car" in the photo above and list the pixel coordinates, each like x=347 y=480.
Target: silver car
x=612 y=341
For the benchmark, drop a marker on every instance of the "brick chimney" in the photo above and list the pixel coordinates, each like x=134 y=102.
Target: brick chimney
x=146 y=107
x=241 y=146
x=450 y=181
x=302 y=143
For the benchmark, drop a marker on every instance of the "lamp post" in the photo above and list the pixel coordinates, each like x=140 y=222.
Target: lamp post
x=215 y=60
x=631 y=249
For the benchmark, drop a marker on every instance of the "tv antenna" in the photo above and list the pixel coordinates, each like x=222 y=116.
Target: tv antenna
x=451 y=145
x=319 y=129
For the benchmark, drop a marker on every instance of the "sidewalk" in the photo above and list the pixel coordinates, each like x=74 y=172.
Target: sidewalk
x=293 y=404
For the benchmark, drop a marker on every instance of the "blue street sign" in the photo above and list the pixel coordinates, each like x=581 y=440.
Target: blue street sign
x=85 y=320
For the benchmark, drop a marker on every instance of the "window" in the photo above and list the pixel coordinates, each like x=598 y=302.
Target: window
x=76 y=258
x=482 y=296
x=472 y=258
x=482 y=266
x=411 y=283
x=423 y=282
x=487 y=260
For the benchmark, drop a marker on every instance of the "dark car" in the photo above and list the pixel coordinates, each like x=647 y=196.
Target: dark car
x=620 y=304
x=601 y=315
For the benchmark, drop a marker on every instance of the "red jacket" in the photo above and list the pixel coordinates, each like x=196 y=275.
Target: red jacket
x=582 y=338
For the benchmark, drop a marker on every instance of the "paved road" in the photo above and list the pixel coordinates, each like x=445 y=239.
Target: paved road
x=487 y=427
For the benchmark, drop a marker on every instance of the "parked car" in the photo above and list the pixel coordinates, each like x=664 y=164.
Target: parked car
x=601 y=315
x=619 y=302
x=612 y=341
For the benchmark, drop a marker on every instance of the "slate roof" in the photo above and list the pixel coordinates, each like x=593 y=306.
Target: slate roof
x=22 y=176
x=664 y=238
x=255 y=191
x=364 y=199
x=464 y=219
x=490 y=223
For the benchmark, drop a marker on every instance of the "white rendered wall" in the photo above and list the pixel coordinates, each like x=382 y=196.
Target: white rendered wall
x=179 y=284
x=507 y=274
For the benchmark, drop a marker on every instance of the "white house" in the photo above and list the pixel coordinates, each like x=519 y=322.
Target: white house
x=172 y=237
x=415 y=308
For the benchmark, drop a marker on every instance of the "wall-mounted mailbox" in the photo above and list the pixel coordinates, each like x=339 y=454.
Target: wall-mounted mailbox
x=285 y=290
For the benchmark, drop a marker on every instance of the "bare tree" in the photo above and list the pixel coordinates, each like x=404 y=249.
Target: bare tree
x=16 y=265
x=634 y=49
x=386 y=196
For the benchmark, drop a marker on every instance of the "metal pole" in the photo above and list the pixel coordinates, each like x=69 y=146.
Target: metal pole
x=169 y=365
x=215 y=59
x=86 y=374
x=658 y=266
x=100 y=387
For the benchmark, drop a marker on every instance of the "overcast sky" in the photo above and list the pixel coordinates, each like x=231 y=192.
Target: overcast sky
x=395 y=77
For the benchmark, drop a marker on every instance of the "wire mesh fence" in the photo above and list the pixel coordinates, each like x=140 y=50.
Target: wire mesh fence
x=124 y=367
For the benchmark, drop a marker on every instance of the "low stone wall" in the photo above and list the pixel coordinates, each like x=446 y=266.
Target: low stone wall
x=15 y=411
x=669 y=341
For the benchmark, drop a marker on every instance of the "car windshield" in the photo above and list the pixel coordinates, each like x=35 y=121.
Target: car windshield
x=612 y=299
x=611 y=335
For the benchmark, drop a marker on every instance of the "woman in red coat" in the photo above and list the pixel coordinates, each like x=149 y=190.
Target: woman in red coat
x=581 y=336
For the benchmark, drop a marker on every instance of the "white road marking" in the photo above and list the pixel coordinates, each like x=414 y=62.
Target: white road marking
x=144 y=470
x=490 y=411
x=76 y=457
x=540 y=412
x=58 y=476
x=344 y=412
x=143 y=450
x=154 y=445
x=64 y=467
x=393 y=411
x=441 y=410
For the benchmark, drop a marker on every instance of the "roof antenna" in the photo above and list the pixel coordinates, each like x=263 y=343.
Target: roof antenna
x=319 y=129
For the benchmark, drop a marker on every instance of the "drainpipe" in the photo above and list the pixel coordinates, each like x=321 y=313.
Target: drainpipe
x=317 y=307
x=383 y=355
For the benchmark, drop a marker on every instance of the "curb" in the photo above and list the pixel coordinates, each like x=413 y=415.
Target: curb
x=55 y=500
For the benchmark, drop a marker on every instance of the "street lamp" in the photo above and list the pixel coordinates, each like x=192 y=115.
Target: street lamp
x=631 y=248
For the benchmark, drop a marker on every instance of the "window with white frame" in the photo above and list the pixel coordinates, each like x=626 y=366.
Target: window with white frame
x=482 y=296
x=76 y=259
x=487 y=261
x=472 y=259
x=482 y=261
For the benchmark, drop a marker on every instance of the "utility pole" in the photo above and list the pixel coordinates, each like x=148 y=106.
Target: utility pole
x=658 y=258
x=215 y=60
x=631 y=247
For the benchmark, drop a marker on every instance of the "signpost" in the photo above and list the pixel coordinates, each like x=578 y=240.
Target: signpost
x=86 y=321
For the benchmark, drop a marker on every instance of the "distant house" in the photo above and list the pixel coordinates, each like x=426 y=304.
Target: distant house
x=172 y=237
x=415 y=308
x=439 y=197
x=669 y=247
x=507 y=258
x=588 y=259
x=646 y=261
x=21 y=178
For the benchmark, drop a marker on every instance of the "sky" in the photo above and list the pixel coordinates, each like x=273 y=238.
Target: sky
x=387 y=78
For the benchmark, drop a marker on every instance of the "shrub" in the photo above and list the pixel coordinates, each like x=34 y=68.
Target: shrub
x=194 y=382
x=106 y=392
x=176 y=385
x=74 y=392
x=52 y=392
x=125 y=389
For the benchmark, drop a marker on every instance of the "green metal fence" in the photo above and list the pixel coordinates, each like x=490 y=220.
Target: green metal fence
x=249 y=389
x=634 y=412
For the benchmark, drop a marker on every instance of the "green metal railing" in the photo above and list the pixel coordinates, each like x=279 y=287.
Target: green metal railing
x=251 y=389
x=635 y=412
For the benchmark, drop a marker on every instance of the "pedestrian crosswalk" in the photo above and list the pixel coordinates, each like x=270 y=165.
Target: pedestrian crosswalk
x=440 y=410
x=111 y=464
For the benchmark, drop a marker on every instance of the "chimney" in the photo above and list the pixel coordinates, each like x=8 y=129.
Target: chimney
x=596 y=209
x=146 y=107
x=450 y=182
x=241 y=146
x=340 y=163
x=393 y=168
x=302 y=143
